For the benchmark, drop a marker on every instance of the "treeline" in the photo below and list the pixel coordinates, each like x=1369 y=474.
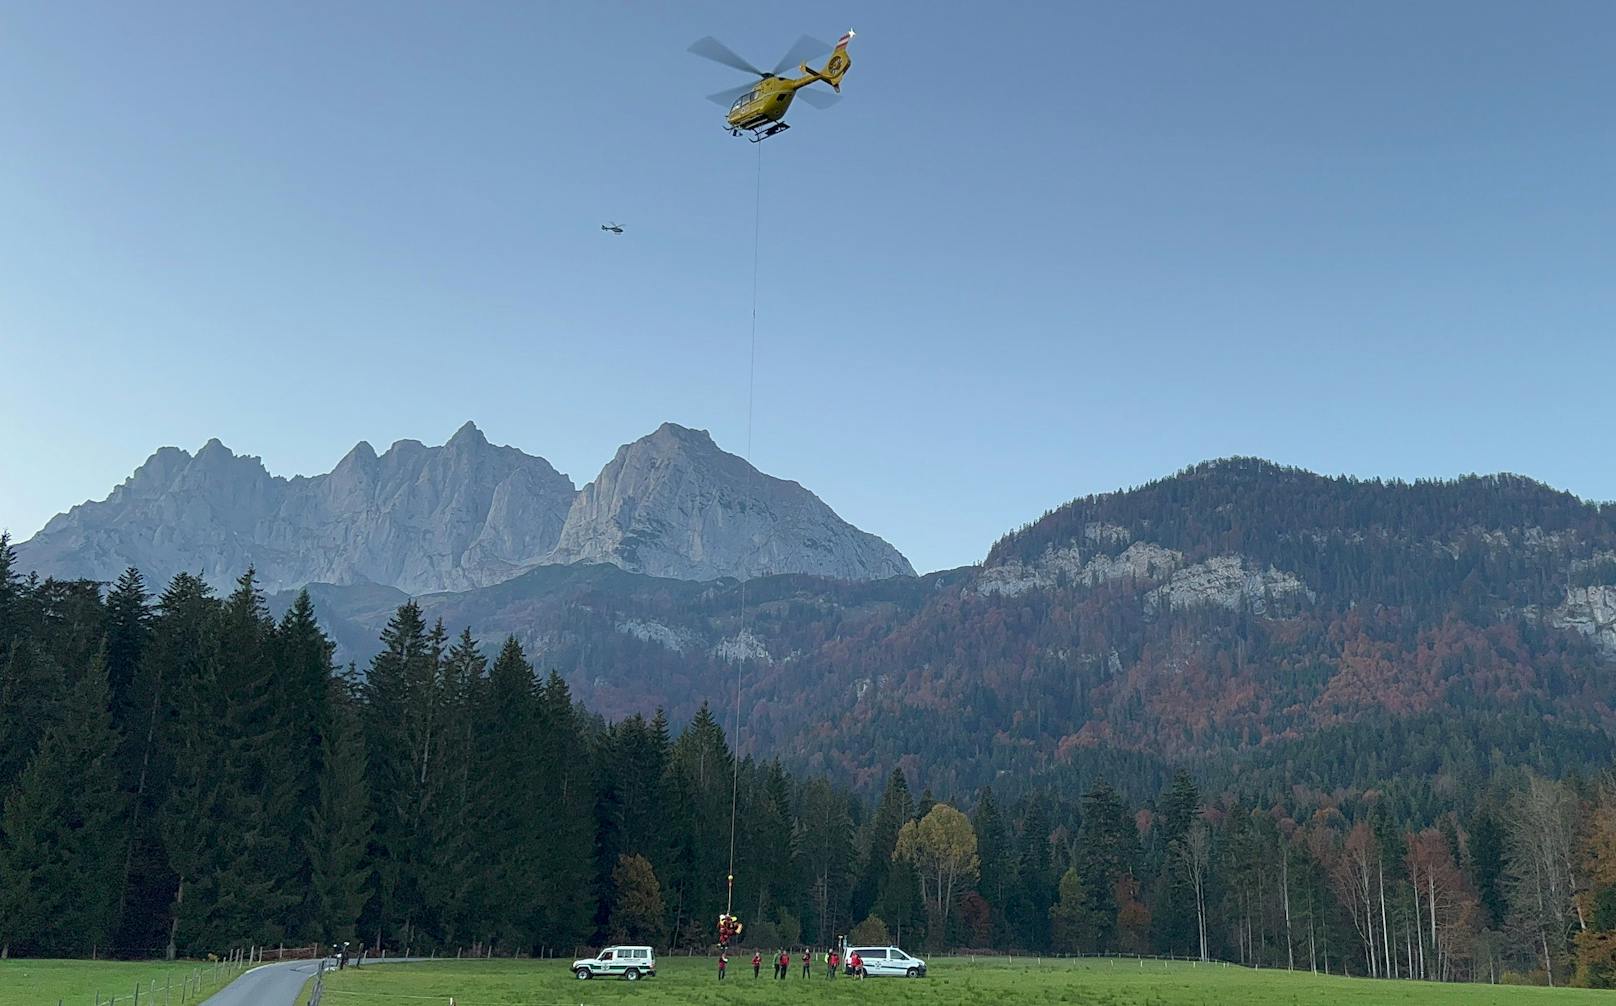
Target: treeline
x=184 y=772
x=1423 y=545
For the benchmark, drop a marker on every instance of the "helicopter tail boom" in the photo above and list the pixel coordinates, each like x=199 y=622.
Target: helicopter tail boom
x=836 y=67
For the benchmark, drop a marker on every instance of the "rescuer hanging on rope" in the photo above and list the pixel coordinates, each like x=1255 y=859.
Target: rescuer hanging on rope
x=729 y=929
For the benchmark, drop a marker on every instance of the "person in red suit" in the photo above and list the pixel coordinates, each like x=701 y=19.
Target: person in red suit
x=782 y=964
x=723 y=964
x=757 y=963
x=807 y=961
x=856 y=964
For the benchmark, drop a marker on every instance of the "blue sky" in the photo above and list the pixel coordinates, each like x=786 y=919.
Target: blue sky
x=1038 y=250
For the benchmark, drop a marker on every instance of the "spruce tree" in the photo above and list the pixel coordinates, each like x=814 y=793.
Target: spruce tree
x=401 y=696
x=128 y=628
x=508 y=807
x=186 y=749
x=263 y=860
x=632 y=798
x=1035 y=888
x=996 y=873
x=825 y=843
x=31 y=689
x=771 y=849
x=1173 y=912
x=129 y=619
x=895 y=808
x=566 y=829
x=339 y=825
x=297 y=728
x=451 y=828
x=60 y=841
x=701 y=778
x=1107 y=850
x=1487 y=867
x=10 y=599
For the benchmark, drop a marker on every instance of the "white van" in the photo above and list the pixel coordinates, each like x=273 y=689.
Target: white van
x=886 y=962
x=632 y=963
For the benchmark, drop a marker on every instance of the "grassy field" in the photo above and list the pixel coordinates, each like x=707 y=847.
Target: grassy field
x=1122 y=983
x=83 y=983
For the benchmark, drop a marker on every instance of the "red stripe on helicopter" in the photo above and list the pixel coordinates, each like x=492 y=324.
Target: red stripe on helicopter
x=844 y=40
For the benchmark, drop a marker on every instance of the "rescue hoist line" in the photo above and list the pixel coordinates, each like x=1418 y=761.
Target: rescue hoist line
x=742 y=638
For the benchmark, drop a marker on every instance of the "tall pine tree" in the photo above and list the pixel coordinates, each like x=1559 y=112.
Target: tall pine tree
x=508 y=808
x=565 y=789
x=401 y=700
x=60 y=842
x=339 y=824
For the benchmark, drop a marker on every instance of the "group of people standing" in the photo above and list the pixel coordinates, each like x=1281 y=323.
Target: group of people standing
x=782 y=963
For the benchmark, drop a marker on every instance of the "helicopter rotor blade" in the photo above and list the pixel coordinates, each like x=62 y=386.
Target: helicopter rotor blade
x=818 y=98
x=711 y=48
x=727 y=96
x=806 y=48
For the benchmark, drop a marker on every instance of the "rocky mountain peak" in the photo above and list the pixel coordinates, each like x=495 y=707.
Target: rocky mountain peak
x=674 y=504
x=455 y=517
x=467 y=437
x=361 y=457
x=681 y=434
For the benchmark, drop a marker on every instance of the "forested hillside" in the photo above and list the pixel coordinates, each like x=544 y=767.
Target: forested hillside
x=1280 y=631
x=184 y=772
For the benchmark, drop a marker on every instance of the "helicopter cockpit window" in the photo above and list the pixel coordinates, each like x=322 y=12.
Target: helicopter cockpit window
x=743 y=99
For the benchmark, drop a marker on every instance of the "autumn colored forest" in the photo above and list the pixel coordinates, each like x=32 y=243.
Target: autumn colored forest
x=184 y=772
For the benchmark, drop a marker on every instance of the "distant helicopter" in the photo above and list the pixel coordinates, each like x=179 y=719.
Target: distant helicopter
x=760 y=108
x=611 y=227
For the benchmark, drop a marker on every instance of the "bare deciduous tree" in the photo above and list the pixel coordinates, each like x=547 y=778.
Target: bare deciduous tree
x=1195 y=859
x=1541 y=839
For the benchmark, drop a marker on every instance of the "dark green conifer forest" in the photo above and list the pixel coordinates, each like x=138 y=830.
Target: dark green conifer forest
x=181 y=773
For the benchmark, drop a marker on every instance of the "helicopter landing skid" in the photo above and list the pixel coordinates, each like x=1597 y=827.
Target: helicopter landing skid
x=760 y=133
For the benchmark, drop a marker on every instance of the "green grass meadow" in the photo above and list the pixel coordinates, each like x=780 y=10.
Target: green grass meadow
x=84 y=983
x=951 y=981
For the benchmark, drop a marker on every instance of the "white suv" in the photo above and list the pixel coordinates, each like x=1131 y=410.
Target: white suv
x=632 y=963
x=887 y=961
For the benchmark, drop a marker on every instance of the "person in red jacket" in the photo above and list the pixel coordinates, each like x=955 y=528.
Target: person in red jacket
x=782 y=964
x=807 y=961
x=757 y=963
x=832 y=961
x=855 y=965
x=723 y=964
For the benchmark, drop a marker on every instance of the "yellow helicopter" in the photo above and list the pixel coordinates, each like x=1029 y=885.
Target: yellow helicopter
x=760 y=108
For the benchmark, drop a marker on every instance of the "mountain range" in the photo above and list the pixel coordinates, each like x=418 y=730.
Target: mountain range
x=1260 y=622
x=1271 y=627
x=464 y=515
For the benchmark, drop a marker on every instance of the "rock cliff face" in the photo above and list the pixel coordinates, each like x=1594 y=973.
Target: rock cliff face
x=419 y=518
x=457 y=517
x=672 y=504
x=1592 y=612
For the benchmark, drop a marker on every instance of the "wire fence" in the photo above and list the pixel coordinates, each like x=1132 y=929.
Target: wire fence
x=194 y=985
x=1011 y=957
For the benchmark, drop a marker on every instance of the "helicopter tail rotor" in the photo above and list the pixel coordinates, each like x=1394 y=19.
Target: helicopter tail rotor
x=836 y=67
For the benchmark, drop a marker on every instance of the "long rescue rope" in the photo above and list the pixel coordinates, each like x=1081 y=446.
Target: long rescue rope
x=742 y=637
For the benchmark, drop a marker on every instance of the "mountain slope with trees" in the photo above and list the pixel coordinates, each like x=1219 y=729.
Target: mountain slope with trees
x=1272 y=627
x=210 y=777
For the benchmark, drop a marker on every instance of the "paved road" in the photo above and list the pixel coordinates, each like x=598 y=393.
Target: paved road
x=278 y=984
